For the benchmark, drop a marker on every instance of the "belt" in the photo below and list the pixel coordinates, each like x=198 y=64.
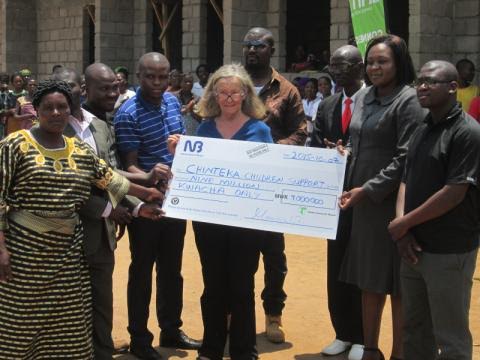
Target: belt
x=64 y=225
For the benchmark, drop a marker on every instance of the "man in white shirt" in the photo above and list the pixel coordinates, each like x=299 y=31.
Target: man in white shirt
x=203 y=73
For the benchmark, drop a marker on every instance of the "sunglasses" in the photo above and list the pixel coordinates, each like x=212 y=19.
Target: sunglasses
x=257 y=44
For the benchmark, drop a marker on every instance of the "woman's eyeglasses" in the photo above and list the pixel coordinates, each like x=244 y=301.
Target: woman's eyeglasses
x=233 y=96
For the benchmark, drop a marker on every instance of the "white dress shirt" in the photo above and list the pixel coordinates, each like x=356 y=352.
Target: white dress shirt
x=82 y=129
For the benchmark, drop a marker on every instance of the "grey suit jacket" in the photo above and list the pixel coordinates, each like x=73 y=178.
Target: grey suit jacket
x=96 y=228
x=380 y=130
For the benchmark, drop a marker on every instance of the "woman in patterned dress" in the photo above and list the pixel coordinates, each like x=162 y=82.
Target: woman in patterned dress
x=45 y=301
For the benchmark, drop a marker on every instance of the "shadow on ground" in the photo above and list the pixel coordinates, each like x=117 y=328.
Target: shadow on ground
x=166 y=354
x=320 y=356
x=265 y=347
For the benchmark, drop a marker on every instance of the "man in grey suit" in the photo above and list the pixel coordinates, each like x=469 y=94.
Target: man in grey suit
x=98 y=217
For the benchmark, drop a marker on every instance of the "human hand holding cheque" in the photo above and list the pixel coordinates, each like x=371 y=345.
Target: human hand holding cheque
x=281 y=188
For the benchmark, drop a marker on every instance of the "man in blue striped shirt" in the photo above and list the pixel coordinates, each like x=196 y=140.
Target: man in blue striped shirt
x=142 y=126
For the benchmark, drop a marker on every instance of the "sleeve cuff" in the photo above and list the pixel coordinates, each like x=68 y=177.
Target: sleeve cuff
x=374 y=195
x=117 y=188
x=136 y=210
x=108 y=210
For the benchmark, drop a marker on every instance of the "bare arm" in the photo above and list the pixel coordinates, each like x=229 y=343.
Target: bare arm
x=130 y=160
x=441 y=202
x=159 y=172
x=400 y=206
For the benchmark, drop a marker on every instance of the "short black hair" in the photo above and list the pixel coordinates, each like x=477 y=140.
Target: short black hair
x=325 y=77
x=56 y=67
x=314 y=81
x=202 y=66
x=464 y=61
x=14 y=75
x=50 y=86
x=403 y=62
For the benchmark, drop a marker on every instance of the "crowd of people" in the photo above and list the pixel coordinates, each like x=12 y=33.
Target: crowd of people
x=85 y=157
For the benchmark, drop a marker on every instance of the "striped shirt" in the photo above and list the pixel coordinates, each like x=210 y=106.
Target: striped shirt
x=144 y=127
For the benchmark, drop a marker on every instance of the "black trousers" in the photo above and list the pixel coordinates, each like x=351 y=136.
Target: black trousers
x=229 y=257
x=100 y=266
x=275 y=263
x=344 y=300
x=160 y=243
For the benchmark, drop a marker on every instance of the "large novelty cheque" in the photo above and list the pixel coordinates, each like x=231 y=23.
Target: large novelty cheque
x=281 y=188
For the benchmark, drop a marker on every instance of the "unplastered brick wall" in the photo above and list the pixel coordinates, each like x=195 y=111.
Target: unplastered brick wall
x=114 y=32
x=467 y=33
x=60 y=33
x=194 y=37
x=340 y=23
x=239 y=16
x=19 y=35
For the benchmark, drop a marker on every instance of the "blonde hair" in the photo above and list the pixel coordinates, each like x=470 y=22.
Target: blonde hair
x=252 y=106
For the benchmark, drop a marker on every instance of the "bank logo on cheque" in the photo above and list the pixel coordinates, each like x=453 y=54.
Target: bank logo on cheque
x=196 y=146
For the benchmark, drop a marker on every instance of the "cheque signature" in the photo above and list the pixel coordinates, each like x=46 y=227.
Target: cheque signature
x=264 y=215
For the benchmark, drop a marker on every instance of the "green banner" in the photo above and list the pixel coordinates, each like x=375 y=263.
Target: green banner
x=368 y=20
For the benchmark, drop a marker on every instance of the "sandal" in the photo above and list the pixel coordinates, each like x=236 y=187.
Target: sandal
x=377 y=350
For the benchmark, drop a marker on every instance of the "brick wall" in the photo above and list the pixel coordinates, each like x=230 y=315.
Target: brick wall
x=466 y=29
x=340 y=28
x=114 y=32
x=141 y=27
x=431 y=30
x=20 y=36
x=60 y=34
x=276 y=23
x=194 y=37
x=239 y=16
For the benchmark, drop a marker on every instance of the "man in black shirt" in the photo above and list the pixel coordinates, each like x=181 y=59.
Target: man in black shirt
x=437 y=224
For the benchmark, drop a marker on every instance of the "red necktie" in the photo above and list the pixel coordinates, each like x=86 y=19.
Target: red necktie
x=347 y=115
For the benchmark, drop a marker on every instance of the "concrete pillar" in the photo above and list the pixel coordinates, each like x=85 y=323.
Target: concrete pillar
x=340 y=28
x=276 y=23
x=239 y=16
x=114 y=32
x=194 y=34
x=142 y=27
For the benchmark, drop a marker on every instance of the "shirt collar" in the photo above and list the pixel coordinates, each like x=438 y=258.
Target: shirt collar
x=87 y=116
x=148 y=105
x=454 y=112
x=353 y=97
x=82 y=125
x=371 y=97
x=275 y=79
